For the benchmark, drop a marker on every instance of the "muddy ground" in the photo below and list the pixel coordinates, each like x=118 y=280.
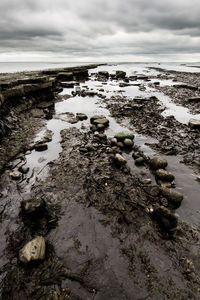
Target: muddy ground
x=103 y=237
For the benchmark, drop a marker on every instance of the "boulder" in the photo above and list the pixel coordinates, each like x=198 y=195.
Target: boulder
x=121 y=136
x=194 y=123
x=164 y=175
x=174 y=197
x=33 y=250
x=158 y=163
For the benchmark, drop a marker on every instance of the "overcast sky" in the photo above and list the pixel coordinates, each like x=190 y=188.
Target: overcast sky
x=100 y=30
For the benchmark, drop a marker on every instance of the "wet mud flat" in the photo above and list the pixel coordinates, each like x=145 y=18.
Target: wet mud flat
x=92 y=200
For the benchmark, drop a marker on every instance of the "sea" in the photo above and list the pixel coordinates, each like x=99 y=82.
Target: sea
x=12 y=67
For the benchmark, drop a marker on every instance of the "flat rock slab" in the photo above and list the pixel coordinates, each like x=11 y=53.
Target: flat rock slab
x=33 y=250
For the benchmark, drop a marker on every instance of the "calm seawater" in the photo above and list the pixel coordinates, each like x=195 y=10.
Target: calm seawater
x=11 y=67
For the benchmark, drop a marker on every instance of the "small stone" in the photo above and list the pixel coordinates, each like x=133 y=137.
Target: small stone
x=113 y=141
x=147 y=181
x=166 y=218
x=174 y=197
x=164 y=175
x=15 y=176
x=139 y=161
x=120 y=145
x=23 y=169
x=120 y=74
x=128 y=143
x=119 y=159
x=41 y=147
x=194 y=123
x=81 y=116
x=33 y=250
x=158 y=163
x=102 y=136
x=121 y=136
x=93 y=128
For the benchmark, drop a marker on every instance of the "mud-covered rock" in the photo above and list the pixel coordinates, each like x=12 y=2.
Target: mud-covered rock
x=33 y=207
x=158 y=163
x=33 y=250
x=165 y=218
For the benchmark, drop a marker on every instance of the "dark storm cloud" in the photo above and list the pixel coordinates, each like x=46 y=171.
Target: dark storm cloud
x=100 y=28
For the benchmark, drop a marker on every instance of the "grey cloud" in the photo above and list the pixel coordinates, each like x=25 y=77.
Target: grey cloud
x=97 y=28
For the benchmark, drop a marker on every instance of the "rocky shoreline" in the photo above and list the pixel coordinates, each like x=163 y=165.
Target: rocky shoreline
x=98 y=221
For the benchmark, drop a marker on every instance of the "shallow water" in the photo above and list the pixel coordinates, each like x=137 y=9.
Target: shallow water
x=184 y=177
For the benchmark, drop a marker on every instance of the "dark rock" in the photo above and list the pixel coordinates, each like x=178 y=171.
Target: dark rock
x=103 y=74
x=34 y=208
x=100 y=127
x=68 y=76
x=195 y=124
x=165 y=218
x=23 y=169
x=158 y=163
x=139 y=161
x=103 y=121
x=15 y=176
x=81 y=116
x=95 y=117
x=120 y=74
x=41 y=147
x=120 y=145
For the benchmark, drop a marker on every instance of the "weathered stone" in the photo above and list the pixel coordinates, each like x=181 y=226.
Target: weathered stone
x=121 y=136
x=128 y=143
x=158 y=163
x=95 y=117
x=33 y=250
x=194 y=123
x=41 y=147
x=165 y=218
x=120 y=74
x=164 y=175
x=174 y=197
x=119 y=159
x=81 y=116
x=103 y=74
